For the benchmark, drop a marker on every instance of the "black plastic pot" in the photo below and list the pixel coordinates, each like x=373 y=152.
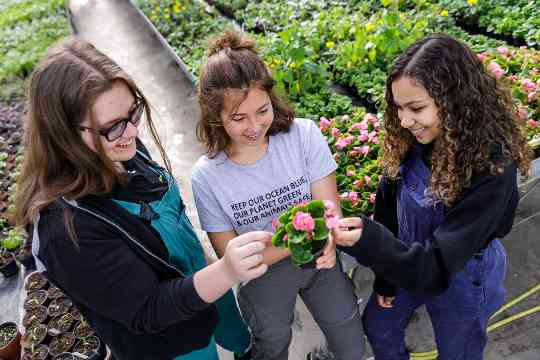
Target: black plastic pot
x=11 y=268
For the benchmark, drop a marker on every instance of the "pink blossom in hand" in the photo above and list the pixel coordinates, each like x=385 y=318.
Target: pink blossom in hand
x=303 y=221
x=324 y=123
x=332 y=222
x=329 y=205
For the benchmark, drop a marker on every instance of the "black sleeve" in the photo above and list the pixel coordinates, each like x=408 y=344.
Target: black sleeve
x=383 y=206
x=103 y=274
x=466 y=228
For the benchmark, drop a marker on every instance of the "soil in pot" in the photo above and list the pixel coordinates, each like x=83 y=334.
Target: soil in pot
x=76 y=314
x=82 y=329
x=8 y=266
x=35 y=335
x=61 y=343
x=10 y=347
x=91 y=347
x=65 y=356
x=35 y=298
x=35 y=315
x=36 y=281
x=59 y=306
x=54 y=293
x=60 y=324
x=39 y=352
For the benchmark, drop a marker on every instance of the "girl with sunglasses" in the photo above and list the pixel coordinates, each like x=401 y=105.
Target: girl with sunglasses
x=108 y=224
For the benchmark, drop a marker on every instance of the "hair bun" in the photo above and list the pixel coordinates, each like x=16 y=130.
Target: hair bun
x=232 y=40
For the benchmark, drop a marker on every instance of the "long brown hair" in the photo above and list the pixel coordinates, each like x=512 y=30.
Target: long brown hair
x=234 y=63
x=57 y=163
x=476 y=113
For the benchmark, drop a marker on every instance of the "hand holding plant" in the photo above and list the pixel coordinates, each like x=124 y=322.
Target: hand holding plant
x=304 y=230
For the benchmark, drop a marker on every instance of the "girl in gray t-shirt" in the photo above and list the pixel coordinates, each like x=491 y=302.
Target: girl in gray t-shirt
x=260 y=160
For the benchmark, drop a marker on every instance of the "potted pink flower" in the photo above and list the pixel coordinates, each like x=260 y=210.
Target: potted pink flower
x=304 y=230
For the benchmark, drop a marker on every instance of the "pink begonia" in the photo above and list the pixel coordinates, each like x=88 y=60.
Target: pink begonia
x=303 y=221
x=372 y=197
x=324 y=123
x=482 y=57
x=350 y=173
x=275 y=223
x=342 y=143
x=495 y=69
x=370 y=118
x=531 y=97
x=355 y=126
x=535 y=71
x=364 y=135
x=377 y=124
x=503 y=50
x=332 y=222
x=368 y=180
x=533 y=123
x=335 y=132
x=329 y=205
x=375 y=140
x=353 y=196
x=358 y=183
x=527 y=85
x=364 y=149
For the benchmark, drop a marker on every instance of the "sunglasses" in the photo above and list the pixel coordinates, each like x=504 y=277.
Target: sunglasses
x=116 y=130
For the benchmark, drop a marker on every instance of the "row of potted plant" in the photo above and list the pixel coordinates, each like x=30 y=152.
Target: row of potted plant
x=53 y=327
x=27 y=29
x=517 y=20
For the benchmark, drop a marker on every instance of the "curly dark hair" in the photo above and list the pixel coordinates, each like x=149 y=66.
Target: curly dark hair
x=234 y=63
x=476 y=114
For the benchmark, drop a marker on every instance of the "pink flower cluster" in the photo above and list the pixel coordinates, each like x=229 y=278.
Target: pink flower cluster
x=330 y=215
x=496 y=69
x=303 y=221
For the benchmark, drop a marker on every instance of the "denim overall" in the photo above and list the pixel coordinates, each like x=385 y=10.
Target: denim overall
x=459 y=315
x=185 y=252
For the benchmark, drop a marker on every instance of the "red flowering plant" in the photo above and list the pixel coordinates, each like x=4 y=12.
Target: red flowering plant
x=304 y=230
x=355 y=142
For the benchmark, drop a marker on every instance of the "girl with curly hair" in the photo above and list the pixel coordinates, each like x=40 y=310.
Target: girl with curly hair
x=448 y=195
x=259 y=161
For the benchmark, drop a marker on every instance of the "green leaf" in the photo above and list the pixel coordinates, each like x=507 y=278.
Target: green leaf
x=295 y=236
x=321 y=231
x=277 y=238
x=316 y=209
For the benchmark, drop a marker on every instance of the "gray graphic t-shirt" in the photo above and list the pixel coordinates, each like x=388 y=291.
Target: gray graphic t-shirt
x=244 y=198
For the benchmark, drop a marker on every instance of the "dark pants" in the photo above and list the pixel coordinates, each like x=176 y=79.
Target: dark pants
x=459 y=315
